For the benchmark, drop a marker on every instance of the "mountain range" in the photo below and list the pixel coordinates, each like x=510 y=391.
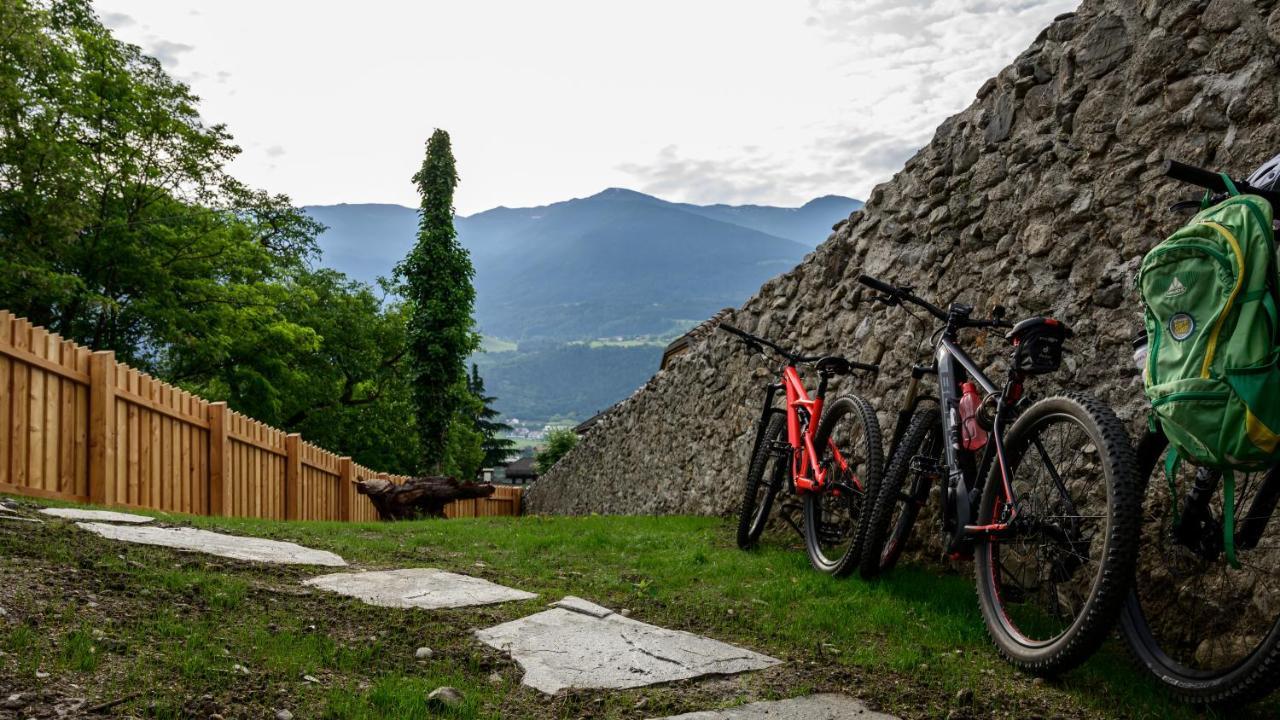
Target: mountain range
x=616 y=264
x=578 y=297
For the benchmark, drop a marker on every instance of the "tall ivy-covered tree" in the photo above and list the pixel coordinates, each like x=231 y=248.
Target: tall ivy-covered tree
x=436 y=281
x=497 y=449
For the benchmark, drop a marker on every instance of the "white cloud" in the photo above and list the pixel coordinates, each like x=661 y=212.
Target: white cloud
x=712 y=101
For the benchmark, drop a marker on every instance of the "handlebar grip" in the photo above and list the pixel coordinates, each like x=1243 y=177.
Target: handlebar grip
x=869 y=367
x=880 y=285
x=732 y=330
x=1194 y=175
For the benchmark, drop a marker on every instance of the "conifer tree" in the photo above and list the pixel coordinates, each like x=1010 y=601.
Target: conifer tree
x=497 y=449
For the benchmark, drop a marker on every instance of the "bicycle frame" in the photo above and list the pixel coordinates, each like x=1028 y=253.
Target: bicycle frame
x=807 y=473
x=965 y=468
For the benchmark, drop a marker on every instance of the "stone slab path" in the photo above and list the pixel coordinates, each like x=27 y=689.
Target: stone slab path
x=829 y=706
x=230 y=546
x=580 y=644
x=98 y=515
x=418 y=588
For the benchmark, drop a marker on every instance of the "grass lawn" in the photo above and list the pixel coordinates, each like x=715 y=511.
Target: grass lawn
x=193 y=635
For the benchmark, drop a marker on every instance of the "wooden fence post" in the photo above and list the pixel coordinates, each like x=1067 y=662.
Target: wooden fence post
x=102 y=428
x=292 y=476
x=219 y=459
x=346 y=477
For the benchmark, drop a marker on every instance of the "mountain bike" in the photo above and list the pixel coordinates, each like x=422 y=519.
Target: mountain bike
x=832 y=465
x=1042 y=494
x=1206 y=628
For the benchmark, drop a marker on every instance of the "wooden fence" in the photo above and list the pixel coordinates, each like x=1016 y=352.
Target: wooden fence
x=77 y=425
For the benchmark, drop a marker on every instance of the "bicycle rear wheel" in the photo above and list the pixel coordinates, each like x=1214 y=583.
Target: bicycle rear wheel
x=1052 y=587
x=767 y=472
x=848 y=443
x=1206 y=630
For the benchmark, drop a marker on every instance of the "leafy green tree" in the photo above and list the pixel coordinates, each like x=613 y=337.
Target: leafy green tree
x=559 y=442
x=497 y=449
x=464 y=444
x=436 y=281
x=121 y=229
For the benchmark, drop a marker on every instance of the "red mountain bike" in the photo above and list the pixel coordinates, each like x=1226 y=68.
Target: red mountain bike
x=833 y=465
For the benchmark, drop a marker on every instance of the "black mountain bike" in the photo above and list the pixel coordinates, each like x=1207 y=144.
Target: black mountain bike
x=833 y=465
x=1043 y=494
x=1209 y=631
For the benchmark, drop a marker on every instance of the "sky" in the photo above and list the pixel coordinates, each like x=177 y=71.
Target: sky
x=735 y=101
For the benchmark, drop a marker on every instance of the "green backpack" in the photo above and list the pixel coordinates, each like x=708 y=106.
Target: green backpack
x=1210 y=295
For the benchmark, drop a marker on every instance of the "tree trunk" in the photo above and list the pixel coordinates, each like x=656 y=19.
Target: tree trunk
x=418 y=497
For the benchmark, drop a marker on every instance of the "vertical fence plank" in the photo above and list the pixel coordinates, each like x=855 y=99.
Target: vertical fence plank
x=219 y=458
x=292 y=476
x=102 y=427
x=6 y=398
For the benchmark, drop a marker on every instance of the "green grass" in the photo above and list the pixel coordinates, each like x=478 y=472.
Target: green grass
x=177 y=625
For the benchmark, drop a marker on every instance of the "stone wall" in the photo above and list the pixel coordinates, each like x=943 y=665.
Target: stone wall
x=1042 y=196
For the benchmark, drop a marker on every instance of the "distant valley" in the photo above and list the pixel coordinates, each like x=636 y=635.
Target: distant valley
x=554 y=281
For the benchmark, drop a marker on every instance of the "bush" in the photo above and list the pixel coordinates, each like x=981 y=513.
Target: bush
x=559 y=442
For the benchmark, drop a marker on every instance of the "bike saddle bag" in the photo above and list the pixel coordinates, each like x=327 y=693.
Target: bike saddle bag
x=1037 y=344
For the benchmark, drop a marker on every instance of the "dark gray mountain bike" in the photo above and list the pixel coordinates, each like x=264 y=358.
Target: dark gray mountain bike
x=1043 y=494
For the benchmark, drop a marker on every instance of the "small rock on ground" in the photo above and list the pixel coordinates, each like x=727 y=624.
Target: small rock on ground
x=445 y=697
x=284 y=715
x=423 y=653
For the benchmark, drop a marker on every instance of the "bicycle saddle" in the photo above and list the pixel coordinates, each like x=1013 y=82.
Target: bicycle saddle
x=834 y=365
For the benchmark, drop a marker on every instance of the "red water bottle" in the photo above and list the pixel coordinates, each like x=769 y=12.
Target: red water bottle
x=971 y=431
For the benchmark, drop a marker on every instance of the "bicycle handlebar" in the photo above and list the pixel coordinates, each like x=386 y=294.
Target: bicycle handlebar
x=1213 y=181
x=790 y=356
x=896 y=294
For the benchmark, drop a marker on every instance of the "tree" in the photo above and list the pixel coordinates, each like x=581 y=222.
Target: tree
x=436 y=281
x=559 y=442
x=121 y=229
x=497 y=449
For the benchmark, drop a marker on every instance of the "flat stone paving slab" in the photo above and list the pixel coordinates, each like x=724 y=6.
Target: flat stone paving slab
x=418 y=588
x=99 y=515
x=231 y=546
x=830 y=706
x=582 y=645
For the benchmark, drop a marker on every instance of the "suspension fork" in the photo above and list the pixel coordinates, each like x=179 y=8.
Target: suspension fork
x=909 y=404
x=771 y=391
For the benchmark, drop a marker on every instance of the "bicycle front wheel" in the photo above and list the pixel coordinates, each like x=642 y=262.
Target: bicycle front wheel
x=1051 y=587
x=767 y=472
x=848 y=444
x=1208 y=631
x=904 y=489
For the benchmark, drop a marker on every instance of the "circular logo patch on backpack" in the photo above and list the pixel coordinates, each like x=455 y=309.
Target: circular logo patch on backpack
x=1181 y=326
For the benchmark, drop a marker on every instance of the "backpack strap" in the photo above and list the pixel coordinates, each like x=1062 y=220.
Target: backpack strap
x=1231 y=185
x=1172 y=459
x=1229 y=517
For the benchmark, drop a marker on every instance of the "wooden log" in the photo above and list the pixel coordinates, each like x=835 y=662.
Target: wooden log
x=419 y=496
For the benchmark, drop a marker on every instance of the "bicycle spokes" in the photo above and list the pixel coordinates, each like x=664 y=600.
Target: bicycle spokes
x=1046 y=563
x=1203 y=614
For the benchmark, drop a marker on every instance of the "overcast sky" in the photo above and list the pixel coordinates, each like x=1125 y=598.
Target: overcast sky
x=737 y=101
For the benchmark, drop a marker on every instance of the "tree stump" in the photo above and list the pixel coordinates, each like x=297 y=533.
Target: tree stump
x=418 y=497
